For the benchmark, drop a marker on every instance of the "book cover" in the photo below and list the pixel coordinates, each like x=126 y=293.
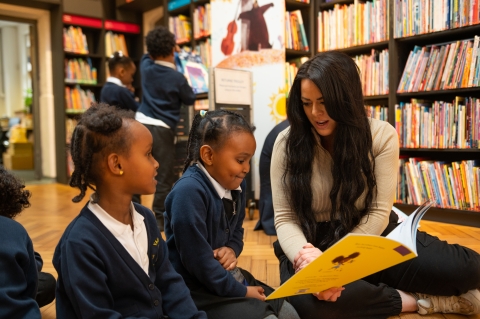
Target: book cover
x=354 y=257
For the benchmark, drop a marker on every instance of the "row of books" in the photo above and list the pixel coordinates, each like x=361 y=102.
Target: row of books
x=439 y=124
x=74 y=40
x=80 y=71
x=295 y=36
x=204 y=49
x=441 y=67
x=379 y=112
x=454 y=185
x=182 y=28
x=422 y=16
x=77 y=99
x=352 y=25
x=374 y=72
x=115 y=42
x=202 y=24
x=291 y=69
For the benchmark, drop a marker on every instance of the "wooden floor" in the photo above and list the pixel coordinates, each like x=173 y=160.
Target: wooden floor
x=52 y=210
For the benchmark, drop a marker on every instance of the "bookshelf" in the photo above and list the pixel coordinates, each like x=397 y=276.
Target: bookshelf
x=399 y=46
x=85 y=70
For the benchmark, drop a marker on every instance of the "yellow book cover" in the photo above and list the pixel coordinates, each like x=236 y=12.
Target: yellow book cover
x=354 y=257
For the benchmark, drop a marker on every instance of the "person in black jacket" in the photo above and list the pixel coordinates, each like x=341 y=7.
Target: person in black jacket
x=21 y=293
x=118 y=89
x=265 y=203
x=164 y=91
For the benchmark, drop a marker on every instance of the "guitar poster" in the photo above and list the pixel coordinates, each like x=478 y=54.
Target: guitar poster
x=250 y=35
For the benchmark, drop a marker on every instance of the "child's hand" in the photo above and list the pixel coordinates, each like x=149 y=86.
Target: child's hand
x=226 y=256
x=305 y=256
x=331 y=294
x=255 y=292
x=130 y=88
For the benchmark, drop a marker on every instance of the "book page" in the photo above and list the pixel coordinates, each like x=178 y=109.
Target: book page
x=355 y=256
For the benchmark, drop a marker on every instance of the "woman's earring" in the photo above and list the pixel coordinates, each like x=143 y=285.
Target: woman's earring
x=121 y=173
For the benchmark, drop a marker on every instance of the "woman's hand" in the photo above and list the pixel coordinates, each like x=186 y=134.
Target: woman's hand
x=331 y=294
x=256 y=292
x=226 y=256
x=305 y=256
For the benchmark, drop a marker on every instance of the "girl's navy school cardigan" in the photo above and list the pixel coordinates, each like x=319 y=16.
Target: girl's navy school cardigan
x=97 y=277
x=195 y=225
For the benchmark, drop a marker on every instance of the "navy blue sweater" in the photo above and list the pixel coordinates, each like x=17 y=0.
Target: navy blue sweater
x=163 y=92
x=194 y=227
x=97 y=277
x=18 y=272
x=119 y=96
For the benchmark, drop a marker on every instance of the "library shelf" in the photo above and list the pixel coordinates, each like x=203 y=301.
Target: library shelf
x=364 y=48
x=291 y=54
x=459 y=91
x=201 y=2
x=74 y=111
x=87 y=85
x=443 y=36
x=138 y=5
x=293 y=4
x=185 y=10
x=330 y=5
x=201 y=96
x=81 y=21
x=375 y=97
x=446 y=215
x=83 y=55
x=202 y=38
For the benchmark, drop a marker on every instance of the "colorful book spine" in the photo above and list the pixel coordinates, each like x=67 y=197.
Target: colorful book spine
x=439 y=124
x=373 y=71
x=115 y=42
x=442 y=67
x=78 y=100
x=413 y=17
x=74 y=40
x=181 y=27
x=80 y=71
x=453 y=185
x=351 y=25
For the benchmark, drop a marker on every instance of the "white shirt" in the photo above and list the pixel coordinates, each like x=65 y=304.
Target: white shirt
x=135 y=242
x=142 y=118
x=222 y=192
x=115 y=80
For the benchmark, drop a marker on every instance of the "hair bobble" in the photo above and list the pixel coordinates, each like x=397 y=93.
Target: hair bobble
x=203 y=113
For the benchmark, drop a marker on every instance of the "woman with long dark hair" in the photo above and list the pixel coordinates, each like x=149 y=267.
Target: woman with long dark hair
x=334 y=172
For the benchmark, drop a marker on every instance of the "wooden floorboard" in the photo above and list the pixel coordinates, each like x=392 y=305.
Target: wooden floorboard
x=52 y=210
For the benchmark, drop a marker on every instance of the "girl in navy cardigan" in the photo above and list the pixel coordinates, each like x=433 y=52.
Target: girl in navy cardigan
x=118 y=89
x=204 y=217
x=18 y=267
x=112 y=261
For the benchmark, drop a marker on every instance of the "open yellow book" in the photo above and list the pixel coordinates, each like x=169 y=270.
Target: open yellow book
x=354 y=257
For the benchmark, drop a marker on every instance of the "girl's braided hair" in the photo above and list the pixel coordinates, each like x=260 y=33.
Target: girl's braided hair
x=101 y=130
x=213 y=128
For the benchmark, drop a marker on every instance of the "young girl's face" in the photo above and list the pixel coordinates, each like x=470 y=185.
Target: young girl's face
x=231 y=162
x=314 y=108
x=125 y=74
x=139 y=166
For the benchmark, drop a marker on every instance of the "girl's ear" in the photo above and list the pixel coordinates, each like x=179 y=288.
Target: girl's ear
x=206 y=154
x=114 y=165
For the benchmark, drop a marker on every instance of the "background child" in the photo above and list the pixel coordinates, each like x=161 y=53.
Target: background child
x=118 y=89
x=111 y=260
x=18 y=267
x=205 y=233
x=164 y=91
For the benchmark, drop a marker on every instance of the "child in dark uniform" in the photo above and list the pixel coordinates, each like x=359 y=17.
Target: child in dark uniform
x=118 y=89
x=112 y=261
x=205 y=233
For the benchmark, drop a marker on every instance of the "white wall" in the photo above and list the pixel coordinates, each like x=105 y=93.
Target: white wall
x=11 y=70
x=47 y=129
